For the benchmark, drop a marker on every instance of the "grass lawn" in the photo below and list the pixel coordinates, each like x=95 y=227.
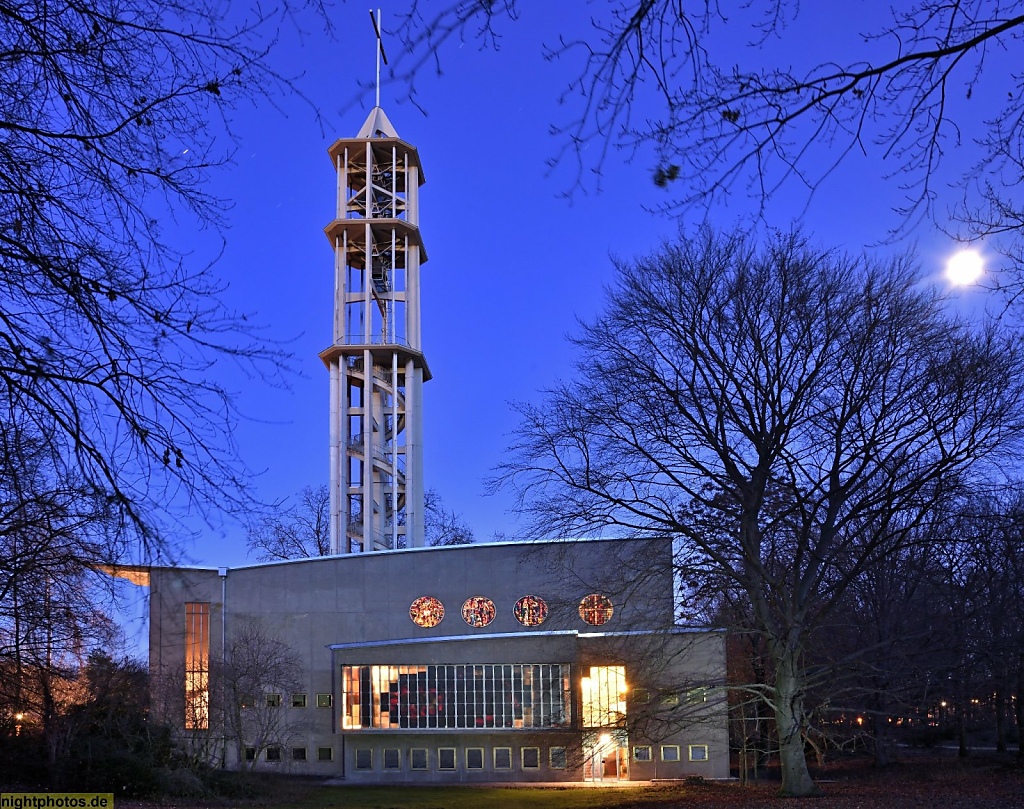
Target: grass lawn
x=481 y=798
x=929 y=783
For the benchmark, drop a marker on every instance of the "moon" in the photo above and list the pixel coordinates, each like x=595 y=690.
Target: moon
x=965 y=268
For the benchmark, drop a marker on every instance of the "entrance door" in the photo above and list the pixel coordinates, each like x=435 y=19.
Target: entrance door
x=606 y=756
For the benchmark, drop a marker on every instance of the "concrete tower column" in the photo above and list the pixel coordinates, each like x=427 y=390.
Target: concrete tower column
x=376 y=360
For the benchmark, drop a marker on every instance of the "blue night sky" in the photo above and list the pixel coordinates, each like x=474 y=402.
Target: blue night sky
x=512 y=261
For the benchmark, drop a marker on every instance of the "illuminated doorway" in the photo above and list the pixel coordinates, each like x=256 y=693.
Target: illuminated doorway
x=606 y=756
x=606 y=743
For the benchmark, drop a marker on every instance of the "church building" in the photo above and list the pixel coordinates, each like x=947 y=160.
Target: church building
x=391 y=662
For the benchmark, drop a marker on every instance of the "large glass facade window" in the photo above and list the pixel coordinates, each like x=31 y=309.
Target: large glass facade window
x=456 y=696
x=197 y=665
x=603 y=690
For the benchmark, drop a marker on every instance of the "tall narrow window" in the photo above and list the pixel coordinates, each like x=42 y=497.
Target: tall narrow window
x=197 y=665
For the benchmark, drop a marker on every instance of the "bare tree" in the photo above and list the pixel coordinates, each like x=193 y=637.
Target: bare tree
x=733 y=376
x=302 y=531
x=726 y=119
x=441 y=526
x=255 y=683
x=113 y=115
x=299 y=532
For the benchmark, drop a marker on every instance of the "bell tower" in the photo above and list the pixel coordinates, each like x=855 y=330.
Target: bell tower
x=376 y=362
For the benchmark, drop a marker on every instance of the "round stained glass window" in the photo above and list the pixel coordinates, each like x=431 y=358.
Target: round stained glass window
x=530 y=610
x=478 y=611
x=426 y=611
x=596 y=609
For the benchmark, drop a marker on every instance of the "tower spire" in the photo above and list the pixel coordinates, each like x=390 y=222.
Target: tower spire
x=380 y=51
x=376 y=360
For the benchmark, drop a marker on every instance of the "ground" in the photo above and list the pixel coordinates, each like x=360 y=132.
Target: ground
x=929 y=782
x=932 y=784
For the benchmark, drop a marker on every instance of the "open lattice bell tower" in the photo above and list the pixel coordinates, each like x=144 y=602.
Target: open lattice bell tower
x=376 y=361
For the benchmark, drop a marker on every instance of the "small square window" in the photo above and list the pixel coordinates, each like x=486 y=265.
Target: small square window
x=695 y=696
x=642 y=753
x=531 y=758
x=250 y=753
x=273 y=754
x=503 y=758
x=364 y=759
x=392 y=758
x=298 y=700
x=325 y=754
x=669 y=700
x=324 y=700
x=698 y=752
x=670 y=752
x=298 y=754
x=556 y=755
x=446 y=758
x=475 y=758
x=641 y=695
x=273 y=700
x=418 y=758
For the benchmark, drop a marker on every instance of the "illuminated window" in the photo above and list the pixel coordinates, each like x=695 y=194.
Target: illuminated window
x=531 y=758
x=456 y=696
x=670 y=752
x=426 y=611
x=604 y=696
x=596 y=609
x=475 y=758
x=530 y=610
x=696 y=696
x=698 y=752
x=446 y=758
x=418 y=758
x=197 y=665
x=556 y=755
x=503 y=758
x=478 y=611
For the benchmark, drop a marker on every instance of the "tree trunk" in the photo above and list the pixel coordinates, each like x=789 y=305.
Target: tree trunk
x=885 y=752
x=1019 y=703
x=789 y=721
x=961 y=732
x=1000 y=700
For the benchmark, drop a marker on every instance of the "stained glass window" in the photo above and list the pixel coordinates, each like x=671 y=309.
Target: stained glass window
x=426 y=611
x=478 y=611
x=596 y=609
x=530 y=610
